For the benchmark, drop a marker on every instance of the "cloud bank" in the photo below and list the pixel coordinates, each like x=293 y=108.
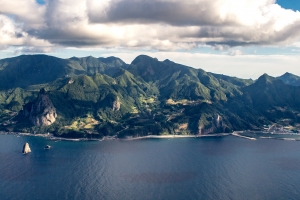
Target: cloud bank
x=164 y=25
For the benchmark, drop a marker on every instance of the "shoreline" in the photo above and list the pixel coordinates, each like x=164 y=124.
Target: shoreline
x=176 y=136
x=239 y=134
x=52 y=137
x=129 y=138
x=49 y=136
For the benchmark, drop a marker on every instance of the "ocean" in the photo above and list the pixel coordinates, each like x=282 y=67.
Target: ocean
x=185 y=168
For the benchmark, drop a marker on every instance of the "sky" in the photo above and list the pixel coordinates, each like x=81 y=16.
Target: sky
x=243 y=38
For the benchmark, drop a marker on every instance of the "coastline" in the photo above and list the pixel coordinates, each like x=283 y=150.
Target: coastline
x=52 y=137
x=176 y=136
x=107 y=138
x=49 y=136
x=26 y=134
x=266 y=135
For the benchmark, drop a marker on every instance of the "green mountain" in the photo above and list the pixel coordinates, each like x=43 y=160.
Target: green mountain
x=97 y=97
x=233 y=80
x=273 y=99
x=26 y=70
x=268 y=92
x=177 y=81
x=23 y=71
x=93 y=65
x=290 y=79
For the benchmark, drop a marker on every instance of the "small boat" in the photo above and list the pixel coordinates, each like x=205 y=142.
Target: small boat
x=47 y=147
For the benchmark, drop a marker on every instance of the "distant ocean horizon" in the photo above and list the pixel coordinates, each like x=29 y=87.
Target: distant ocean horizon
x=186 y=168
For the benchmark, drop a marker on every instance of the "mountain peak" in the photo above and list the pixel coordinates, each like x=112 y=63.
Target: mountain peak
x=111 y=60
x=167 y=61
x=265 y=78
x=290 y=79
x=89 y=58
x=143 y=58
x=287 y=74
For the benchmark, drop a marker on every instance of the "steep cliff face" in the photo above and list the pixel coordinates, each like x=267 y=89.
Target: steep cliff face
x=41 y=112
x=116 y=104
x=111 y=101
x=216 y=126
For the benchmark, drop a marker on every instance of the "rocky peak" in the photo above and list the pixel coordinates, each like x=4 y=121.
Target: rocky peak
x=265 y=79
x=26 y=148
x=41 y=111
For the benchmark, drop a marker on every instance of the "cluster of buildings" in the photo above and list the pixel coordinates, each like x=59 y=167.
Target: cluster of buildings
x=277 y=128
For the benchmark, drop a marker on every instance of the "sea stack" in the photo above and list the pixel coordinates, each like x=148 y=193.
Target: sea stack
x=26 y=148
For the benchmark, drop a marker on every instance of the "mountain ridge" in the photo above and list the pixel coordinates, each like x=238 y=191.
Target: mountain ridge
x=97 y=97
x=290 y=79
x=26 y=70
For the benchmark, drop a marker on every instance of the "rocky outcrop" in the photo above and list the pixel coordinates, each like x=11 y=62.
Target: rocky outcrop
x=71 y=81
x=26 y=148
x=41 y=112
x=116 y=104
x=217 y=126
x=111 y=101
x=218 y=121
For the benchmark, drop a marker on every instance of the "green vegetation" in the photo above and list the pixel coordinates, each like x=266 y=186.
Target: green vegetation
x=87 y=123
x=97 y=97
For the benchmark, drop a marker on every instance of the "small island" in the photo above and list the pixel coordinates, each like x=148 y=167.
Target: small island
x=26 y=148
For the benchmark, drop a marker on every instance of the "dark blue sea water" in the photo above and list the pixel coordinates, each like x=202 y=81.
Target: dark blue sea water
x=191 y=168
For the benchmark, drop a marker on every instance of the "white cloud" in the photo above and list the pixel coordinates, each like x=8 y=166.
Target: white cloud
x=166 y=25
x=28 y=12
x=236 y=52
x=11 y=34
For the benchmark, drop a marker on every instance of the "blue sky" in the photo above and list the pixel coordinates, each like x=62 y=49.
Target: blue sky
x=42 y=2
x=289 y=4
x=244 y=38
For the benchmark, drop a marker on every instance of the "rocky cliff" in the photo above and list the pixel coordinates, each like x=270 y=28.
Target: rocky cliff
x=216 y=126
x=111 y=101
x=41 y=112
x=116 y=104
